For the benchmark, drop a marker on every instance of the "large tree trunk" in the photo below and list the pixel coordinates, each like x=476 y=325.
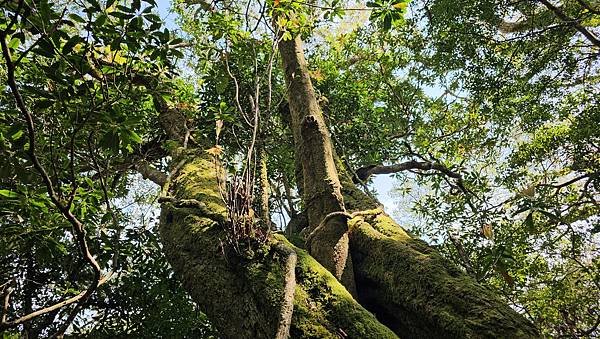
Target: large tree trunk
x=413 y=290
x=279 y=290
x=248 y=296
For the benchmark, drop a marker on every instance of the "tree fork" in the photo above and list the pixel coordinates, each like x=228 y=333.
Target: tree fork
x=252 y=297
x=321 y=185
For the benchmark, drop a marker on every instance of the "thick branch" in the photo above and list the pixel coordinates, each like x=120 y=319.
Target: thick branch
x=321 y=188
x=149 y=172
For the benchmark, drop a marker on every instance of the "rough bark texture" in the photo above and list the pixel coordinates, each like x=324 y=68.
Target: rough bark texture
x=406 y=283
x=321 y=186
x=249 y=297
x=412 y=289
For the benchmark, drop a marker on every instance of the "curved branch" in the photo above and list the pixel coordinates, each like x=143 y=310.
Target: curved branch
x=32 y=315
x=64 y=208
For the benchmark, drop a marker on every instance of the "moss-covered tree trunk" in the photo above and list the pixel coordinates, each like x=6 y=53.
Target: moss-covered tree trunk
x=399 y=286
x=275 y=291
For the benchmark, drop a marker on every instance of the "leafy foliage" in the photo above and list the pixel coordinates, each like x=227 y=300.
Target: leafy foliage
x=80 y=69
x=503 y=94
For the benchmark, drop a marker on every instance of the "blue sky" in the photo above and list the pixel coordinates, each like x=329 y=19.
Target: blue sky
x=163 y=7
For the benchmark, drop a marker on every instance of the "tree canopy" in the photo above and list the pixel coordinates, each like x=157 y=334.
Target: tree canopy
x=484 y=112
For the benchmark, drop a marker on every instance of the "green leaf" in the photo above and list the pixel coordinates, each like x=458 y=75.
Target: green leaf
x=17 y=135
x=121 y=15
x=77 y=18
x=37 y=203
x=68 y=46
x=106 y=218
x=110 y=140
x=44 y=10
x=8 y=194
x=529 y=223
x=95 y=4
x=177 y=53
x=14 y=43
x=101 y=20
x=45 y=48
x=136 y=5
x=134 y=137
x=551 y=216
x=43 y=104
x=387 y=21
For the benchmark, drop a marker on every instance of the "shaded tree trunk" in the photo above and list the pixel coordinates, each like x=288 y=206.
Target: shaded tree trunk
x=395 y=284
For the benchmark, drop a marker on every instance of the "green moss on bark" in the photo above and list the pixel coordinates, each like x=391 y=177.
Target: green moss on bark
x=243 y=296
x=242 y=299
x=323 y=308
x=418 y=293
x=413 y=289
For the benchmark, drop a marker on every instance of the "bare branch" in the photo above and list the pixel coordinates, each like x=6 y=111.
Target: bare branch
x=365 y=172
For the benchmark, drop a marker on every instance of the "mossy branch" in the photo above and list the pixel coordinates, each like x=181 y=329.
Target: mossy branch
x=289 y=288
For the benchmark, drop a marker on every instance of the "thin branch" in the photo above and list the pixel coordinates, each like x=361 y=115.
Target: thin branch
x=6 y=291
x=78 y=229
x=558 y=187
x=30 y=316
x=571 y=22
x=237 y=91
x=365 y=172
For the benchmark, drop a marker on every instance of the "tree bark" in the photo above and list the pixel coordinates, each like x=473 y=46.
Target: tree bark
x=321 y=186
x=249 y=296
x=278 y=290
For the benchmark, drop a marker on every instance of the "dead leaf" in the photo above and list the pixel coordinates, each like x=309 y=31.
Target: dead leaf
x=487 y=231
x=215 y=151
